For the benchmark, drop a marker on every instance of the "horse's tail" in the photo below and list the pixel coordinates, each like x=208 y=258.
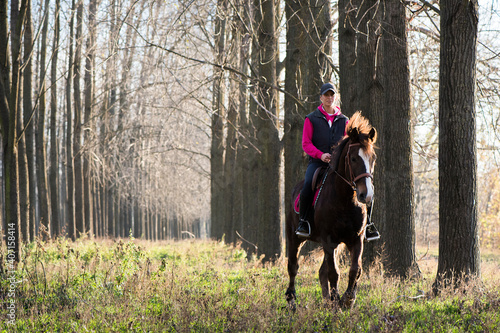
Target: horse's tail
x=341 y=255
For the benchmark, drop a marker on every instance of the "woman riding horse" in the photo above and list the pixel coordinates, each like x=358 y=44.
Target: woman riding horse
x=340 y=213
x=323 y=129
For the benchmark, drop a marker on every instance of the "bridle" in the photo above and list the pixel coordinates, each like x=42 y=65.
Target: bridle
x=354 y=179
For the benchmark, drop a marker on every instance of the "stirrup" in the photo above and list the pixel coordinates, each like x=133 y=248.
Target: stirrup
x=303 y=225
x=373 y=234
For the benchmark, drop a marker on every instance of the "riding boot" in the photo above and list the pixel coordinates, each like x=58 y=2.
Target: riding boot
x=304 y=228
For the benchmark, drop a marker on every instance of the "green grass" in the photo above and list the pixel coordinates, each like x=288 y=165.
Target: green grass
x=204 y=286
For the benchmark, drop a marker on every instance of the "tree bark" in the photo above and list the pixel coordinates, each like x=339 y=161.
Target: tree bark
x=361 y=79
x=230 y=171
x=217 y=149
x=24 y=122
x=70 y=178
x=316 y=47
x=54 y=151
x=124 y=109
x=4 y=61
x=268 y=195
x=347 y=56
x=9 y=95
x=241 y=180
x=29 y=122
x=77 y=138
x=399 y=236
x=310 y=43
x=458 y=221
x=295 y=110
x=89 y=123
x=24 y=203
x=41 y=152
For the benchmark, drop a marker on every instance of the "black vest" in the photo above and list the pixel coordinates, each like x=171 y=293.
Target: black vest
x=324 y=136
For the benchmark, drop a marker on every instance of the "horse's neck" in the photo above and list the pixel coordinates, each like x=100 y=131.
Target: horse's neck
x=340 y=182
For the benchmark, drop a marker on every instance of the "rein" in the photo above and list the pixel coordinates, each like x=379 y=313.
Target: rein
x=354 y=179
x=322 y=183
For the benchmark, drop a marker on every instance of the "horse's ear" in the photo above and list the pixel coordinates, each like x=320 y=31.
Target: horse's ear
x=373 y=135
x=354 y=133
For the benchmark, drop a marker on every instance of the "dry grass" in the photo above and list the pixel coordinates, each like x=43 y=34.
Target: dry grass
x=204 y=286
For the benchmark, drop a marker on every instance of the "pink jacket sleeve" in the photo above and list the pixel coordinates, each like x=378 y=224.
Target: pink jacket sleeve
x=307 y=144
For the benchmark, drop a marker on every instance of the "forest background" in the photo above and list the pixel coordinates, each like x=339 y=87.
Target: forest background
x=164 y=120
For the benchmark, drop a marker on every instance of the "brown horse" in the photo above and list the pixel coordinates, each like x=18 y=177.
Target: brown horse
x=340 y=212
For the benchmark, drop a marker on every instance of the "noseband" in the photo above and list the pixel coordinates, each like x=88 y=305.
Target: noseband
x=354 y=179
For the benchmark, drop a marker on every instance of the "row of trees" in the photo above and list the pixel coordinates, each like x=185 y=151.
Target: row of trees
x=374 y=76
x=94 y=122
x=122 y=118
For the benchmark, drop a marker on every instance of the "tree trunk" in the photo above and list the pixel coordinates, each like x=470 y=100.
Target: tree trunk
x=63 y=190
x=115 y=214
x=309 y=35
x=242 y=202
x=399 y=235
x=102 y=209
x=217 y=149
x=136 y=213
x=20 y=185
x=230 y=171
x=458 y=221
x=77 y=139
x=110 y=213
x=251 y=154
x=96 y=222
x=268 y=195
x=89 y=123
x=29 y=122
x=4 y=62
x=124 y=109
x=361 y=88
x=41 y=153
x=315 y=47
x=54 y=153
x=70 y=178
x=144 y=217
x=24 y=122
x=9 y=95
x=295 y=110
x=11 y=183
x=347 y=56
x=24 y=203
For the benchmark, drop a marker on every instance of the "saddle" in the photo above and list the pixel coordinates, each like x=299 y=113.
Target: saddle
x=318 y=178
x=317 y=181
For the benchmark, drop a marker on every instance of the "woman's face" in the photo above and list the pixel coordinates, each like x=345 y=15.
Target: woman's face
x=328 y=98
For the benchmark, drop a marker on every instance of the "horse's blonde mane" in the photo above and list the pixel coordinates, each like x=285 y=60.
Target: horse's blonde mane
x=359 y=122
x=358 y=130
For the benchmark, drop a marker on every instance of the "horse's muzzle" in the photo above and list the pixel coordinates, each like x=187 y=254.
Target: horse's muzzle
x=364 y=191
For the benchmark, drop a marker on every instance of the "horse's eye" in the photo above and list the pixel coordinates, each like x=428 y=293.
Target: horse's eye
x=353 y=159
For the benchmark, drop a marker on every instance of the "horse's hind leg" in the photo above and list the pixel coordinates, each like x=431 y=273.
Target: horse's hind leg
x=355 y=271
x=293 y=267
x=323 y=277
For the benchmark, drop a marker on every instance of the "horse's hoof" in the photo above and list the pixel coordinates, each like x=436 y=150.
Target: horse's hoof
x=347 y=301
x=335 y=298
x=290 y=295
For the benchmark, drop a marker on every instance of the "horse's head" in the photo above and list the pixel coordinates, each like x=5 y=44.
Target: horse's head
x=360 y=156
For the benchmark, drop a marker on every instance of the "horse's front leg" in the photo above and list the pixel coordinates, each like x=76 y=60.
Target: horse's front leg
x=329 y=273
x=355 y=271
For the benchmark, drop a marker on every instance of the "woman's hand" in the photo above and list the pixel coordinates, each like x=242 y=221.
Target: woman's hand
x=326 y=157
